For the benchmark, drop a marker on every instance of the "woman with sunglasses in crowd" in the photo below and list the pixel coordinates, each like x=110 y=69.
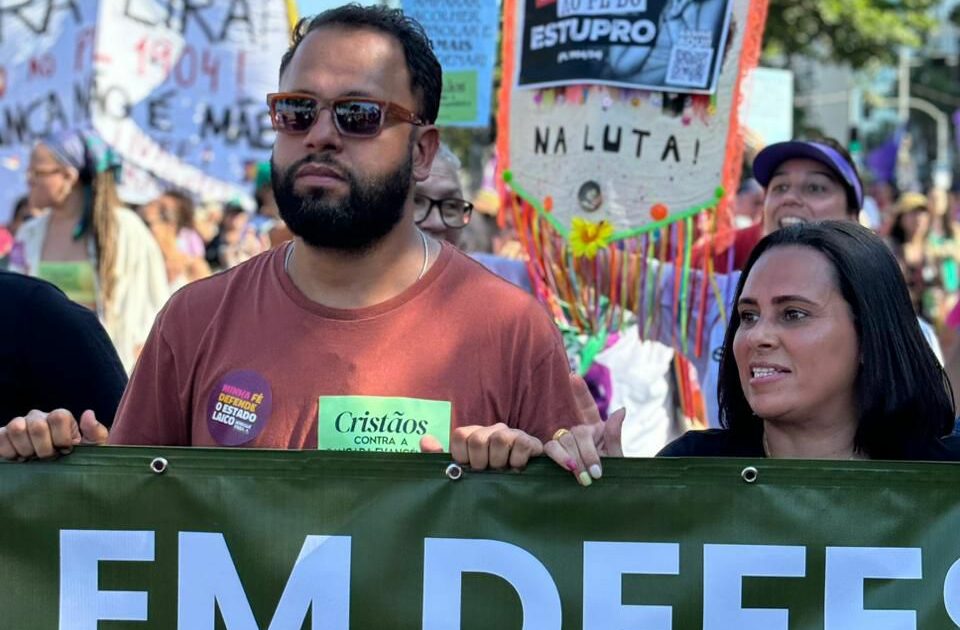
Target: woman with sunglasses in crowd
x=97 y=252
x=823 y=359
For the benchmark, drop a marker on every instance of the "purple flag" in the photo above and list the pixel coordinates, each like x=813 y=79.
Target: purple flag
x=882 y=161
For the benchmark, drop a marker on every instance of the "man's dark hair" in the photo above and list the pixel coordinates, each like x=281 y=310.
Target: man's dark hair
x=426 y=78
x=903 y=395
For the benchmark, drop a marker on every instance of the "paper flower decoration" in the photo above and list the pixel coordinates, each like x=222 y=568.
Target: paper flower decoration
x=587 y=237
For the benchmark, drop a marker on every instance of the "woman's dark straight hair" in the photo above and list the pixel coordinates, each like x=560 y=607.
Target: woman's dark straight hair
x=903 y=394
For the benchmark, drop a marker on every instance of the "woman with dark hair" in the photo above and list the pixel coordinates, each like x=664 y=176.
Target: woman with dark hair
x=823 y=358
x=859 y=363
x=94 y=250
x=804 y=181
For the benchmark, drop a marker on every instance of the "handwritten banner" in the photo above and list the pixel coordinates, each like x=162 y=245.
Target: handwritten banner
x=46 y=72
x=176 y=88
x=182 y=87
x=464 y=36
x=626 y=157
x=175 y=538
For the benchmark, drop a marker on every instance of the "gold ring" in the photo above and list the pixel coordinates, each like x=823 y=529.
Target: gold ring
x=559 y=434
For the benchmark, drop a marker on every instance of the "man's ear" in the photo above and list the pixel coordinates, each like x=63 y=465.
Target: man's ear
x=424 y=149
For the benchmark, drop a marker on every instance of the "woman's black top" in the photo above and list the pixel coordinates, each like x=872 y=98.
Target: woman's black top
x=727 y=443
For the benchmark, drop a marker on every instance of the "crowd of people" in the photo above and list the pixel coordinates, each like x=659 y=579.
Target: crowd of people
x=348 y=282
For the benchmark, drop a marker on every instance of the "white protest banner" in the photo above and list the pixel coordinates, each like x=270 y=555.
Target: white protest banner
x=182 y=87
x=46 y=64
x=176 y=88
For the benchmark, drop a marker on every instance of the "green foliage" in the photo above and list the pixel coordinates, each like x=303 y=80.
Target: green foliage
x=857 y=32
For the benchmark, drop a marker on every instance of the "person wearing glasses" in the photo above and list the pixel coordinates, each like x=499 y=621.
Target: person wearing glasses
x=363 y=332
x=438 y=205
x=97 y=252
x=440 y=210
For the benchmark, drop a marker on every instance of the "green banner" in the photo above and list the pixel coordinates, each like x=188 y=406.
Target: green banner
x=272 y=540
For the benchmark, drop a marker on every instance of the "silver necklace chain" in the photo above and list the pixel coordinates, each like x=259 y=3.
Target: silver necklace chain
x=426 y=254
x=423 y=268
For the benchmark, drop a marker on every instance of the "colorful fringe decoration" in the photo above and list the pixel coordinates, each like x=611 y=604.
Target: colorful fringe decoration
x=594 y=296
x=595 y=279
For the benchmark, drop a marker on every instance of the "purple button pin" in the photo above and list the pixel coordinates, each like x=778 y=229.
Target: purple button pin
x=239 y=407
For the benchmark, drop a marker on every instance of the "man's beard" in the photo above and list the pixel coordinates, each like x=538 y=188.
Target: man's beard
x=371 y=208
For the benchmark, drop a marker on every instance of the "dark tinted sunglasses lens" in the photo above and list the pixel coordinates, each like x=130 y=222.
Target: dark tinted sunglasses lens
x=294 y=113
x=358 y=118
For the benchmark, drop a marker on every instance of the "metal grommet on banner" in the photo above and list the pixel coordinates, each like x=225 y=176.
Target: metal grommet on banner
x=749 y=474
x=159 y=465
x=454 y=472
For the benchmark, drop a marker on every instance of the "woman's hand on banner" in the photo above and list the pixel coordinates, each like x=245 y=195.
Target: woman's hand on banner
x=498 y=447
x=580 y=448
x=43 y=435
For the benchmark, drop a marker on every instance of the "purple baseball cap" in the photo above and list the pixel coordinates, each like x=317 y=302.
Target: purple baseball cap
x=767 y=161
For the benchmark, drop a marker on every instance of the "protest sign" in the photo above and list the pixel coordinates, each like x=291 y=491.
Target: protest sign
x=177 y=538
x=464 y=36
x=610 y=178
x=182 y=88
x=177 y=89
x=767 y=107
x=626 y=157
x=666 y=45
x=46 y=68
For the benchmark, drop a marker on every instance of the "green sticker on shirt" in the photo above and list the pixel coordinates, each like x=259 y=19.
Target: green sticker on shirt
x=381 y=424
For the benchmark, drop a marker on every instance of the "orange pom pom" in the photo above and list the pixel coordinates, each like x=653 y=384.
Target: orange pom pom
x=659 y=212
x=548 y=203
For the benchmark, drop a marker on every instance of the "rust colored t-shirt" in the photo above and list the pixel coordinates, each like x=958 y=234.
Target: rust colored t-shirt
x=249 y=338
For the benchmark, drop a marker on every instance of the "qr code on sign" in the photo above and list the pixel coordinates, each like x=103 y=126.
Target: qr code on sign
x=689 y=67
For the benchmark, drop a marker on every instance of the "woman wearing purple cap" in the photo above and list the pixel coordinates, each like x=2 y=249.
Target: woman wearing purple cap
x=97 y=252
x=807 y=181
x=804 y=182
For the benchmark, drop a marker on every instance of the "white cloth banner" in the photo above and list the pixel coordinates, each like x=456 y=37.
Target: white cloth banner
x=177 y=89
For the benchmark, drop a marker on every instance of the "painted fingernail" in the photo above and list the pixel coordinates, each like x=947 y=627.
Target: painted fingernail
x=571 y=464
x=595 y=471
x=585 y=479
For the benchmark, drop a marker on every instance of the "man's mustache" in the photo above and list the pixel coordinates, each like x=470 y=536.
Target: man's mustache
x=323 y=160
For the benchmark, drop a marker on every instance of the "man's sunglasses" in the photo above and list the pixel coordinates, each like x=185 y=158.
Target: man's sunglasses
x=295 y=113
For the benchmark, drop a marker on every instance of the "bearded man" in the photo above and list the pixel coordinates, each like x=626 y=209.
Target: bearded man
x=362 y=333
